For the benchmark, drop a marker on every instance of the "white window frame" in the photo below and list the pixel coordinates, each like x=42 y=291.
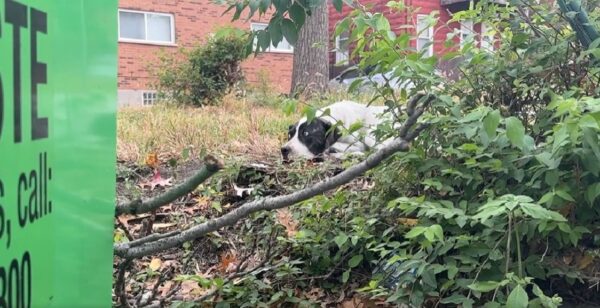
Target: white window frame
x=272 y=48
x=342 y=56
x=466 y=29
x=427 y=35
x=146 y=41
x=487 y=40
x=149 y=101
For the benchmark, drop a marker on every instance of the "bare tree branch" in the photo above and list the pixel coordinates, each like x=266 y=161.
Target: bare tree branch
x=210 y=167
x=144 y=247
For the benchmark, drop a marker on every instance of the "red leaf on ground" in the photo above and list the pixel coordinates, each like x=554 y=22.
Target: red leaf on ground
x=157 y=180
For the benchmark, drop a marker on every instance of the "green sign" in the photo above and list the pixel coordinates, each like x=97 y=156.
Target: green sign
x=57 y=152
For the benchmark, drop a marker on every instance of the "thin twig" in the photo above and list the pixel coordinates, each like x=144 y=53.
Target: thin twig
x=210 y=167
x=120 y=283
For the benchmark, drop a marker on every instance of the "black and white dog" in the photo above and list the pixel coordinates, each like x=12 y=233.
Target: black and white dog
x=316 y=138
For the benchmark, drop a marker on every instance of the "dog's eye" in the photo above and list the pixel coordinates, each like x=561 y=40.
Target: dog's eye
x=305 y=133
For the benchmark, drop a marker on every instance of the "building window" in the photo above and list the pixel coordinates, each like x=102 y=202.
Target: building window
x=466 y=32
x=487 y=37
x=283 y=46
x=424 y=35
x=149 y=98
x=146 y=27
x=342 y=50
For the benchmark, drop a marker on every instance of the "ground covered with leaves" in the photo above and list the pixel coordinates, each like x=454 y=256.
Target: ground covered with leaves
x=257 y=259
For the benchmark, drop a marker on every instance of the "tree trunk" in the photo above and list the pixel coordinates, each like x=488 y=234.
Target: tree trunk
x=310 y=74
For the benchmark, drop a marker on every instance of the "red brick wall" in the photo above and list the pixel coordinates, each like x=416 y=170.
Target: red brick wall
x=194 y=21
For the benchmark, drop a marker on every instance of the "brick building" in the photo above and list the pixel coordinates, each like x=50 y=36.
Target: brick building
x=148 y=27
x=436 y=35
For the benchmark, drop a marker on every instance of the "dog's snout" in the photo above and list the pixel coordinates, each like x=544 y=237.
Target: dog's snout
x=285 y=151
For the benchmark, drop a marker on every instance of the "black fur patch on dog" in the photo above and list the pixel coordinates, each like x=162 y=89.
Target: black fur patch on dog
x=316 y=136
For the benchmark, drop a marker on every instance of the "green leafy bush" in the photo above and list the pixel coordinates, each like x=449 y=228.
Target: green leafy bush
x=204 y=74
x=495 y=194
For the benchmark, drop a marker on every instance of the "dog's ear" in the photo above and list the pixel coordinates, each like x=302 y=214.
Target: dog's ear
x=332 y=134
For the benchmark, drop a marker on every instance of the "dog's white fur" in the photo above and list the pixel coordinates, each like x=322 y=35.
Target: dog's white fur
x=347 y=113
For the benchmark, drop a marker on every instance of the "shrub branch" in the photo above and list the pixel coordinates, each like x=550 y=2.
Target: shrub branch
x=144 y=246
x=211 y=166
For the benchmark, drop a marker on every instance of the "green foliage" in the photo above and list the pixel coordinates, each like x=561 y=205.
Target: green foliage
x=503 y=182
x=204 y=74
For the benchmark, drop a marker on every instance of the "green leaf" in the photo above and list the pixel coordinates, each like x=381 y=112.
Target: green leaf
x=310 y=112
x=289 y=106
x=484 y=286
x=253 y=5
x=355 y=261
x=264 y=41
x=565 y=195
x=429 y=235
x=428 y=278
x=490 y=123
x=547 y=198
x=239 y=7
x=515 y=131
x=341 y=239
x=345 y=276
x=590 y=136
x=414 y=232
x=297 y=14
x=452 y=271
x=546 y=159
x=538 y=212
x=592 y=192
x=338 y=5
x=264 y=5
x=281 y=5
x=382 y=23
x=289 y=30
x=517 y=298
x=355 y=127
x=274 y=30
x=438 y=232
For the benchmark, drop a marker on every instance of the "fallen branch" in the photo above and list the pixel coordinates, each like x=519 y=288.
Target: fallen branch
x=210 y=167
x=143 y=247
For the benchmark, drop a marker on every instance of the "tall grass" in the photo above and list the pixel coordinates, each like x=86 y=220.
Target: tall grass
x=253 y=127
x=234 y=128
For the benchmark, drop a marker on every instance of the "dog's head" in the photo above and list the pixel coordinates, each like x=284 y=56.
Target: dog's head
x=309 y=139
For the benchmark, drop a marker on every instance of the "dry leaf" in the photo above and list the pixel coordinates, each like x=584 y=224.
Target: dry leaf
x=227 y=262
x=189 y=289
x=124 y=220
x=567 y=259
x=157 y=180
x=585 y=261
x=160 y=226
x=285 y=218
x=315 y=294
x=155 y=264
x=164 y=289
x=202 y=202
x=152 y=160
x=409 y=222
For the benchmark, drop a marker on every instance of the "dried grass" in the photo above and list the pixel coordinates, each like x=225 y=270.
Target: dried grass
x=236 y=128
